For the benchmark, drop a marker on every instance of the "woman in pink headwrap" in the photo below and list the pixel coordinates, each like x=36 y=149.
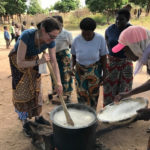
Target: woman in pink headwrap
x=135 y=42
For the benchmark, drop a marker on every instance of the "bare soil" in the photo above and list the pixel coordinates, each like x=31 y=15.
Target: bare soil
x=131 y=137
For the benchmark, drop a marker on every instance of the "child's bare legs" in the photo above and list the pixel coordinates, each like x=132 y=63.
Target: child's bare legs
x=7 y=44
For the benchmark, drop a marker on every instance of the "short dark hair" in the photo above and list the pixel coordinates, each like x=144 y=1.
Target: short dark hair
x=125 y=12
x=13 y=23
x=49 y=24
x=32 y=23
x=17 y=25
x=5 y=27
x=59 y=18
x=24 y=23
x=88 y=24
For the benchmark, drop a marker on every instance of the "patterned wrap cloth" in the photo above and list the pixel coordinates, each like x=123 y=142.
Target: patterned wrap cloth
x=64 y=60
x=26 y=84
x=119 y=68
x=88 y=82
x=120 y=78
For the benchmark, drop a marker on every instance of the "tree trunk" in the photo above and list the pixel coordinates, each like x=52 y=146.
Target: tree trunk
x=108 y=18
x=147 y=9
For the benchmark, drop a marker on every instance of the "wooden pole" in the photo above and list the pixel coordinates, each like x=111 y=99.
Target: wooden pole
x=68 y=117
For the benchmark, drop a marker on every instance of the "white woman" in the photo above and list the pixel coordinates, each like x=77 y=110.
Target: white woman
x=24 y=62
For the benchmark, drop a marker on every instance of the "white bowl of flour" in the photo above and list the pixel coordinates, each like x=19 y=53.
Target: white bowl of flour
x=124 y=110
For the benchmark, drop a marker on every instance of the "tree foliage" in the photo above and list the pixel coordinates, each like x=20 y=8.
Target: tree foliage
x=142 y=3
x=2 y=7
x=15 y=6
x=12 y=7
x=105 y=6
x=66 y=5
x=101 y=5
x=46 y=11
x=34 y=7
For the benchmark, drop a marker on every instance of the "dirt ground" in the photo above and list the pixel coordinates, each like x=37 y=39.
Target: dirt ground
x=132 y=137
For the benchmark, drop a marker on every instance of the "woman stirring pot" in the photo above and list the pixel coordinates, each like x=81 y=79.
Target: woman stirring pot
x=24 y=61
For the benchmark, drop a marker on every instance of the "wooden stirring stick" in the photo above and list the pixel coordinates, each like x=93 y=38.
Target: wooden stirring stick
x=68 y=117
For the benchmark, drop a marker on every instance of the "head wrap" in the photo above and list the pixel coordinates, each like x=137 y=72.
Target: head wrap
x=138 y=40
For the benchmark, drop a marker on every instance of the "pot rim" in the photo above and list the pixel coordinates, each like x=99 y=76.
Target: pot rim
x=52 y=113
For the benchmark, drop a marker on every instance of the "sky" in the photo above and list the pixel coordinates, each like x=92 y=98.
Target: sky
x=48 y=3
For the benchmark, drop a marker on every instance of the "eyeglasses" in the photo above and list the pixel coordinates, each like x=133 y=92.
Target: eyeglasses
x=51 y=36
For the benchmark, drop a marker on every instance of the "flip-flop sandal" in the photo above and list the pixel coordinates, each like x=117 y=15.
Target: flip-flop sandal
x=26 y=132
x=41 y=120
x=148 y=130
x=50 y=96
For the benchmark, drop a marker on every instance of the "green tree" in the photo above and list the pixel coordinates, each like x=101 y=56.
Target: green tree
x=2 y=7
x=34 y=7
x=66 y=5
x=142 y=3
x=107 y=7
x=46 y=11
x=15 y=7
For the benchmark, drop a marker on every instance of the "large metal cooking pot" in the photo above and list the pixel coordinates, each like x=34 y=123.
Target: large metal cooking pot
x=74 y=138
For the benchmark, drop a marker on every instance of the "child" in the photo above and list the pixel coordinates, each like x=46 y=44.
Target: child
x=6 y=36
x=12 y=31
x=17 y=31
x=32 y=25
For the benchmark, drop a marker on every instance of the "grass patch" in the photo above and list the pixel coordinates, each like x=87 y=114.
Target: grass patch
x=142 y=21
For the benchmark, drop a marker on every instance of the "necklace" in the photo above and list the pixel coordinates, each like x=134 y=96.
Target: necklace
x=38 y=41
